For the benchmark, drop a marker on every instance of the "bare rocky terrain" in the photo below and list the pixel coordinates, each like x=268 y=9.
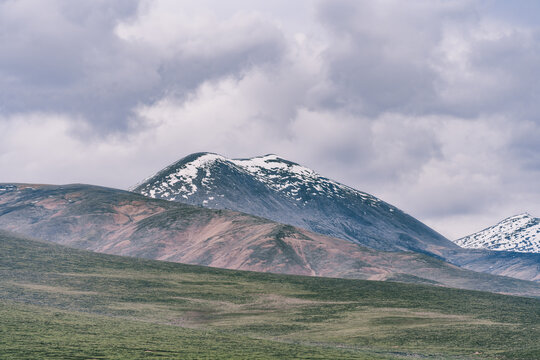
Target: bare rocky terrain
x=289 y=193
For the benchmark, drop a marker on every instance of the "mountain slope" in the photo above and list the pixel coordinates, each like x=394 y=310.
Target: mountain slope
x=123 y=223
x=59 y=303
x=283 y=191
x=506 y=263
x=519 y=233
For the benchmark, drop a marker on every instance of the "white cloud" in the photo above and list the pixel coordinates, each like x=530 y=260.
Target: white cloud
x=166 y=27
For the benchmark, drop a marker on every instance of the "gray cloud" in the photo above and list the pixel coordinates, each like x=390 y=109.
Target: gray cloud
x=60 y=56
x=430 y=105
x=381 y=55
x=429 y=57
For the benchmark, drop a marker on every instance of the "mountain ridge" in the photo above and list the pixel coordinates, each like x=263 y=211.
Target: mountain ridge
x=284 y=191
x=281 y=190
x=123 y=223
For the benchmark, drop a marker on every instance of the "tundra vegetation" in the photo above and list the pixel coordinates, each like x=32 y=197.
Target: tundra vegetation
x=58 y=302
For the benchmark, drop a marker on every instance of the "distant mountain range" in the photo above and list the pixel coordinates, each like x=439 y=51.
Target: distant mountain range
x=124 y=223
x=519 y=233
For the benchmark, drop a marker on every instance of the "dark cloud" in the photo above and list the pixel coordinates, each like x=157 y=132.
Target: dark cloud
x=429 y=57
x=381 y=54
x=62 y=56
x=512 y=60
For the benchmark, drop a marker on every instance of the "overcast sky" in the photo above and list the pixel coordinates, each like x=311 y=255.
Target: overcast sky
x=433 y=106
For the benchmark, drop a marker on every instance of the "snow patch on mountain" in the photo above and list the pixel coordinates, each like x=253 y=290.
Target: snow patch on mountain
x=519 y=233
x=288 y=178
x=278 y=189
x=185 y=175
x=293 y=179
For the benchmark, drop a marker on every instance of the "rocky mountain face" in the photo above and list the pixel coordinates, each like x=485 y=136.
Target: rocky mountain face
x=519 y=233
x=283 y=191
x=124 y=223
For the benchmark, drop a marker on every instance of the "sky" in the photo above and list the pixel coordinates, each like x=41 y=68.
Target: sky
x=431 y=105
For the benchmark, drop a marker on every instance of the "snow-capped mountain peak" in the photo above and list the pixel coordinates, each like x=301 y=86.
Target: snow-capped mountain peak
x=520 y=233
x=292 y=179
x=281 y=190
x=184 y=174
x=286 y=177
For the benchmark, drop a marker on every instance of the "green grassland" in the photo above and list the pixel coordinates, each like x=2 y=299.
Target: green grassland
x=57 y=302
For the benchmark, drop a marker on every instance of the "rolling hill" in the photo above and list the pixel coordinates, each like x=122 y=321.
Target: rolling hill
x=124 y=223
x=59 y=302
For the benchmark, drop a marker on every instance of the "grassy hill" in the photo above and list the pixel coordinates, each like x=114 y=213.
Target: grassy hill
x=123 y=223
x=58 y=302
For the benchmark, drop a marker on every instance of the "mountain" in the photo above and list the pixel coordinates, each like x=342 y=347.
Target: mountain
x=283 y=191
x=519 y=233
x=124 y=223
x=62 y=303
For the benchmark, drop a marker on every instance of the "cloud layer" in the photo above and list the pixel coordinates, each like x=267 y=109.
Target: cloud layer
x=431 y=105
